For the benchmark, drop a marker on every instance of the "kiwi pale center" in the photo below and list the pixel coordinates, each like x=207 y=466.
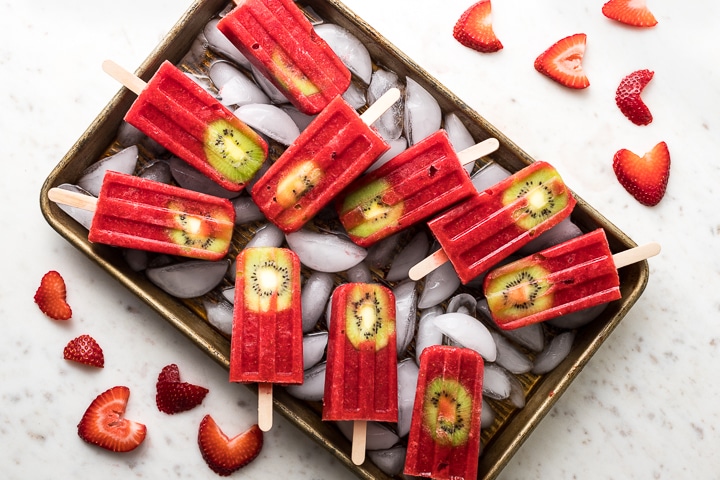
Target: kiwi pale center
x=195 y=231
x=543 y=194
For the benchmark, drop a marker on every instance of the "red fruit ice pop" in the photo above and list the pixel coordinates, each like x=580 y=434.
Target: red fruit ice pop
x=570 y=276
x=181 y=116
x=277 y=38
x=266 y=343
x=331 y=152
x=421 y=181
x=361 y=375
x=487 y=227
x=134 y=212
x=444 y=438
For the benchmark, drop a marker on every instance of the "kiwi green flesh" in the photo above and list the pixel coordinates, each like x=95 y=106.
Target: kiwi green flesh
x=545 y=196
x=366 y=318
x=519 y=293
x=376 y=213
x=267 y=277
x=447 y=408
x=233 y=154
x=293 y=74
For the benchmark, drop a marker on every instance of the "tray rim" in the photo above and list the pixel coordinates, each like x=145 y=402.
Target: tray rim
x=214 y=344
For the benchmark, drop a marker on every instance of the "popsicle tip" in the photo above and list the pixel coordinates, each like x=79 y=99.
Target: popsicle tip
x=128 y=79
x=479 y=150
x=636 y=254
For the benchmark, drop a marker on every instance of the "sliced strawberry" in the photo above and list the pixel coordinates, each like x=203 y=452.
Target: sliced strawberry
x=104 y=424
x=629 y=12
x=225 y=455
x=174 y=396
x=84 y=349
x=628 y=98
x=644 y=178
x=51 y=296
x=474 y=28
x=563 y=61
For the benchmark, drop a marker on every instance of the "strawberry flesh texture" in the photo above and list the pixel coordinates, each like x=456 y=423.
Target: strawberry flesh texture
x=51 y=296
x=225 y=455
x=474 y=28
x=84 y=349
x=104 y=425
x=562 y=62
x=174 y=396
x=627 y=97
x=646 y=177
x=629 y=12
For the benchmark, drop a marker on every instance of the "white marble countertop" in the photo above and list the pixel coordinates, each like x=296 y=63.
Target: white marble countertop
x=644 y=407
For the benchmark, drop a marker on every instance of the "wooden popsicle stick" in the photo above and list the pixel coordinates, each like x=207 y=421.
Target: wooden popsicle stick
x=478 y=150
x=636 y=254
x=73 y=199
x=359 y=441
x=128 y=79
x=381 y=105
x=428 y=264
x=265 y=406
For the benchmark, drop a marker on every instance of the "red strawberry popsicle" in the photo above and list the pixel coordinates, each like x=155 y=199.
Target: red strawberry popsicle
x=133 y=212
x=277 y=38
x=181 y=116
x=570 y=276
x=444 y=439
x=361 y=376
x=266 y=343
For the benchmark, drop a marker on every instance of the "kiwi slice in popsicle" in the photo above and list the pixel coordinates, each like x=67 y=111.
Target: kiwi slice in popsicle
x=296 y=182
x=544 y=195
x=519 y=293
x=446 y=412
x=366 y=318
x=267 y=273
x=194 y=231
x=376 y=213
x=233 y=153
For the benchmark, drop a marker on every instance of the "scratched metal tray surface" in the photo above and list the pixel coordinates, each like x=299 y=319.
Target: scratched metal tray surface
x=512 y=426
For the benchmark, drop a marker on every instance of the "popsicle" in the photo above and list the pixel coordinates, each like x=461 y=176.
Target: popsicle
x=487 y=227
x=281 y=43
x=361 y=376
x=134 y=212
x=570 y=276
x=333 y=150
x=181 y=116
x=414 y=185
x=266 y=342
x=444 y=438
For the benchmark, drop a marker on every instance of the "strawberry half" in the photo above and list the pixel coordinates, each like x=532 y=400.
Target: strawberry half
x=474 y=28
x=225 y=455
x=563 y=61
x=629 y=12
x=646 y=177
x=174 y=396
x=627 y=97
x=104 y=424
x=51 y=296
x=84 y=349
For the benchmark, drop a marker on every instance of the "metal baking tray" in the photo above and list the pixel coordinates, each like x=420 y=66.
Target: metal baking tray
x=512 y=426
